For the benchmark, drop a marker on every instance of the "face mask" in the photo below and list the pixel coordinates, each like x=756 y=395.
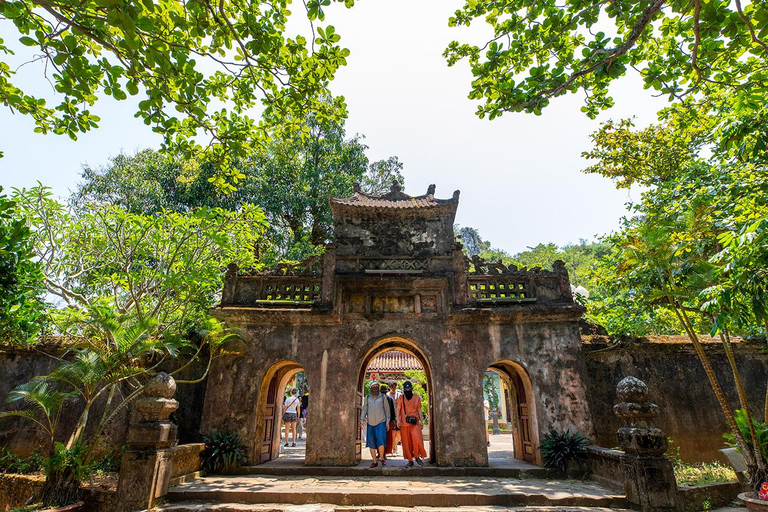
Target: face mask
x=408 y=394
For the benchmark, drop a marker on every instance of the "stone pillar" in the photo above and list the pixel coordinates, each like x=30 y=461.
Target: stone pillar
x=230 y=285
x=460 y=282
x=649 y=480
x=329 y=274
x=146 y=466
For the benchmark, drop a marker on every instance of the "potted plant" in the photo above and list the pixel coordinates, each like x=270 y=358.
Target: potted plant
x=755 y=500
x=560 y=449
x=223 y=452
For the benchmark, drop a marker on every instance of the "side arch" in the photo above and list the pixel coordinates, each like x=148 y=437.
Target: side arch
x=526 y=427
x=384 y=344
x=267 y=442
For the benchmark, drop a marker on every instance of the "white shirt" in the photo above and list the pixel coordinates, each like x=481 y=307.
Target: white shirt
x=291 y=404
x=486 y=406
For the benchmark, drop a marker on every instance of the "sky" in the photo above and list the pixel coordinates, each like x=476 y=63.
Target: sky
x=520 y=175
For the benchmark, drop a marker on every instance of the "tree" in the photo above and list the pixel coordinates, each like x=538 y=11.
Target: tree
x=698 y=245
x=380 y=176
x=200 y=66
x=105 y=263
x=290 y=179
x=22 y=307
x=150 y=182
x=540 y=50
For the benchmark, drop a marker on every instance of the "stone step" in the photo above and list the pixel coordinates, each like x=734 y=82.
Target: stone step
x=325 y=507
x=411 y=491
x=395 y=471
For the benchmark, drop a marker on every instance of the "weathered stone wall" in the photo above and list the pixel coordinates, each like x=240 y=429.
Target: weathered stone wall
x=457 y=344
x=689 y=412
x=15 y=490
x=20 y=436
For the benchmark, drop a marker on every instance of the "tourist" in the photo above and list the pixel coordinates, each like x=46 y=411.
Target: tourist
x=394 y=394
x=304 y=411
x=410 y=423
x=487 y=407
x=391 y=447
x=375 y=417
x=299 y=426
x=291 y=415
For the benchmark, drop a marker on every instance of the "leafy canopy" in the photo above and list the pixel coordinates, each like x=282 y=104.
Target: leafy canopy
x=289 y=178
x=541 y=49
x=196 y=67
x=106 y=263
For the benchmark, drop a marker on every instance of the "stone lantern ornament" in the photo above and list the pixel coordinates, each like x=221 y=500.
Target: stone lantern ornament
x=649 y=479
x=145 y=469
x=638 y=436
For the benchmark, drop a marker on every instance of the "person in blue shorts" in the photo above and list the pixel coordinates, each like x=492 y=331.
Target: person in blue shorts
x=375 y=419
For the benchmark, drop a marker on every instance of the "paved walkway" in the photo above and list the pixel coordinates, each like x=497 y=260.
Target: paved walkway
x=396 y=491
x=500 y=454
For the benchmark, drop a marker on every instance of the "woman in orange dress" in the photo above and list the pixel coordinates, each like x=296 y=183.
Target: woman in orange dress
x=410 y=423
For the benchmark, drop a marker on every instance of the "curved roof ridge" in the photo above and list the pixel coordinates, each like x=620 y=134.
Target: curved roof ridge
x=395 y=198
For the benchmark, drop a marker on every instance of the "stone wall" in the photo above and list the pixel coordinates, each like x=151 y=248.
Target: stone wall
x=689 y=412
x=457 y=346
x=20 y=436
x=15 y=490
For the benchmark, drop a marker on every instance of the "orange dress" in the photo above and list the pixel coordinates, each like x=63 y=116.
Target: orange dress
x=410 y=435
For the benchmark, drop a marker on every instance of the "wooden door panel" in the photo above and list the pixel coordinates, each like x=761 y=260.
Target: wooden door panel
x=525 y=422
x=270 y=412
x=359 y=437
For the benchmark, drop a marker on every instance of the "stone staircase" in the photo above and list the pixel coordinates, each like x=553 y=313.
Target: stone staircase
x=380 y=493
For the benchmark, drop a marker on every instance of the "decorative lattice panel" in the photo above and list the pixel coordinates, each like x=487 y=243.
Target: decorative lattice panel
x=490 y=288
x=404 y=265
x=290 y=291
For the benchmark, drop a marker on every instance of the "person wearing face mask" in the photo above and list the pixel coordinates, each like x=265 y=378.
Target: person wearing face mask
x=375 y=419
x=409 y=421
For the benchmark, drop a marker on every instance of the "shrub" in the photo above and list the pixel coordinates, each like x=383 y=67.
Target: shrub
x=761 y=432
x=703 y=473
x=64 y=470
x=12 y=463
x=223 y=451
x=558 y=448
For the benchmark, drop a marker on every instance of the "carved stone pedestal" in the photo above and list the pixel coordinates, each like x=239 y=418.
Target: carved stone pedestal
x=145 y=469
x=649 y=479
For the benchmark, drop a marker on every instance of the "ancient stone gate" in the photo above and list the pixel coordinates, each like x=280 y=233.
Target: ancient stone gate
x=396 y=278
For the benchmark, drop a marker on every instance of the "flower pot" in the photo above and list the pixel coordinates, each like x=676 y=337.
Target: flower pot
x=68 y=508
x=753 y=503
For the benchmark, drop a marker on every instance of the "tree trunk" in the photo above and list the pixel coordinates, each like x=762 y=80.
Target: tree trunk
x=726 y=340
x=712 y=377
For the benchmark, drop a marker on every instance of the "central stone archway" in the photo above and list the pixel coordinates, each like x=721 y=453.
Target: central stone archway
x=410 y=347
x=395 y=278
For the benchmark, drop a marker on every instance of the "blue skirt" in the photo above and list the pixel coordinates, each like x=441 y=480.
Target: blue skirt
x=376 y=436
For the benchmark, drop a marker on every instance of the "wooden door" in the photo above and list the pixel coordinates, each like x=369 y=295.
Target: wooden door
x=432 y=454
x=523 y=409
x=270 y=413
x=359 y=428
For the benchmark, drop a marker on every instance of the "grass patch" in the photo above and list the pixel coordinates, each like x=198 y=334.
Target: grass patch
x=703 y=473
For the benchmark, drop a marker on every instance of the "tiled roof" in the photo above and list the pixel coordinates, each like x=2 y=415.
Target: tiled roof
x=395 y=199
x=393 y=361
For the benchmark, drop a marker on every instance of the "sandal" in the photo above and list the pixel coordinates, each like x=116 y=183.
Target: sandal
x=384 y=462
x=374 y=464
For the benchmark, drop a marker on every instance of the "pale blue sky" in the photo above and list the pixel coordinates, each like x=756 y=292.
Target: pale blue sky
x=519 y=176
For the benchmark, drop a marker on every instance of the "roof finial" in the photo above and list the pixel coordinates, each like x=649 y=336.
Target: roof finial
x=356 y=188
x=431 y=190
x=396 y=187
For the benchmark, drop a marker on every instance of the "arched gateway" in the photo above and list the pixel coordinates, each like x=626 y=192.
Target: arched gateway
x=395 y=277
